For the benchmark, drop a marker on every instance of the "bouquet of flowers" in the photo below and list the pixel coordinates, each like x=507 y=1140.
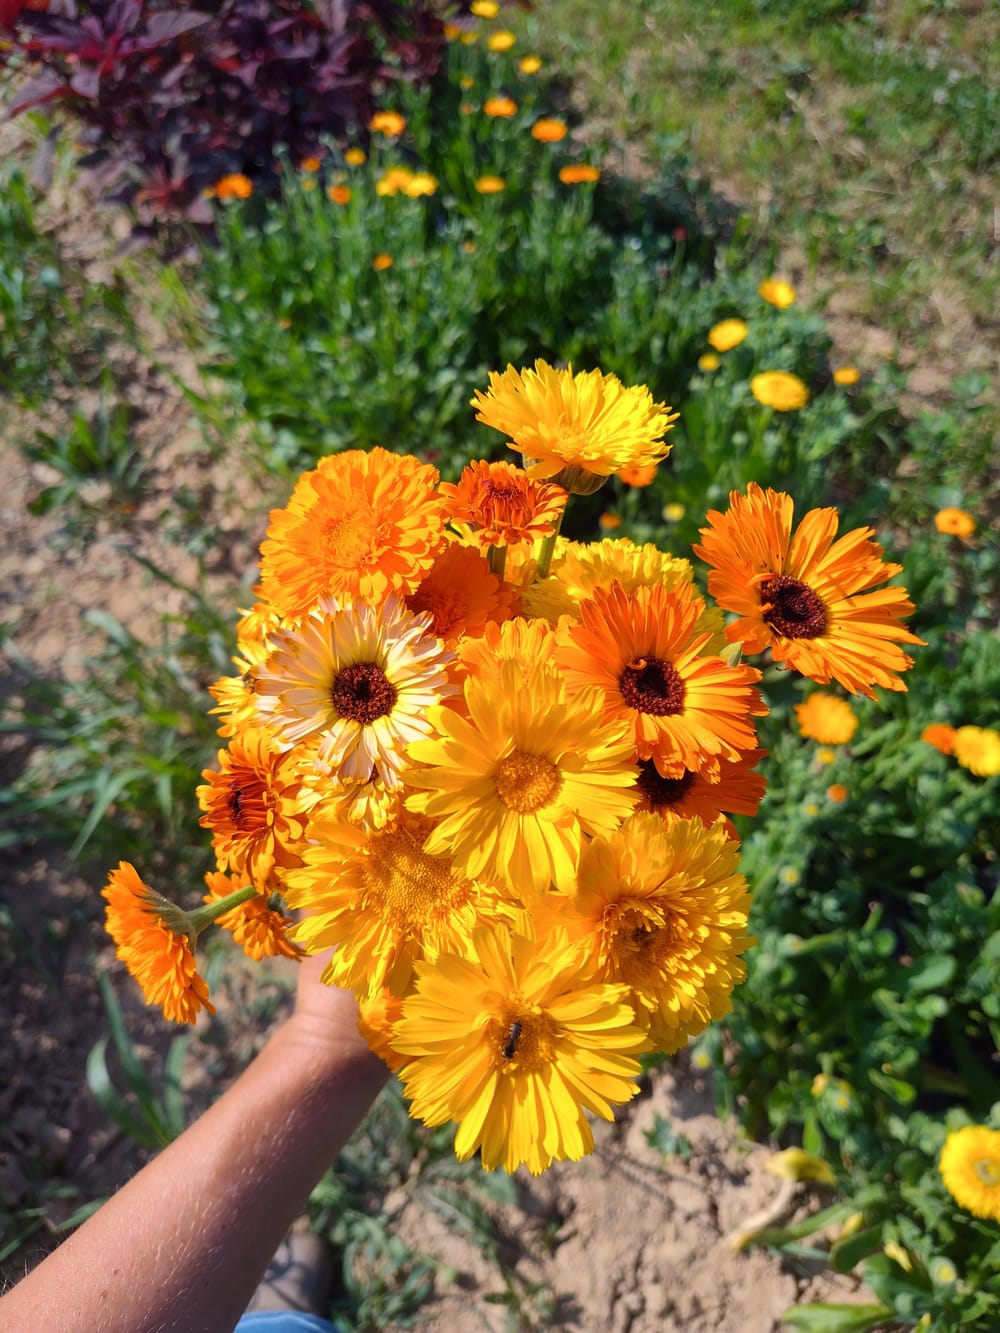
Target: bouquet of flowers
x=491 y=768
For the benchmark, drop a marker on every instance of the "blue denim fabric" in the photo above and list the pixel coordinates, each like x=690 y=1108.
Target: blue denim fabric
x=283 y=1321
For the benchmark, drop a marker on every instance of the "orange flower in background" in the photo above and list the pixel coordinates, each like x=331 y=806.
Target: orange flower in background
x=233 y=186
x=389 y=123
x=579 y=173
x=363 y=523
x=779 y=389
x=381 y=262
x=826 y=718
x=461 y=595
x=609 y=521
x=502 y=505
x=490 y=185
x=259 y=929
x=738 y=790
x=339 y=194
x=549 y=130
x=846 y=376
x=311 y=164
x=807 y=596
x=727 y=334
x=955 y=522
x=160 y=960
x=940 y=735
x=637 y=476
x=500 y=107
x=777 y=292
x=837 y=793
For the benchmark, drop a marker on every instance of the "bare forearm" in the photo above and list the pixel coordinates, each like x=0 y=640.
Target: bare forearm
x=184 y=1244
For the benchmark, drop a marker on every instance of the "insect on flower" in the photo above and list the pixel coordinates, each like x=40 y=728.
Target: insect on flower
x=513 y=1037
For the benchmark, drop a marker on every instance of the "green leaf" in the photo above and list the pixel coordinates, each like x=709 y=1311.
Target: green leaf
x=99 y=1082
x=821 y=1318
x=931 y=973
x=852 y=1249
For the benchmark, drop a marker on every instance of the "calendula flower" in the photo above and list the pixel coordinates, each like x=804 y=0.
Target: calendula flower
x=339 y=194
x=683 y=709
x=970 y=1169
x=154 y=945
x=381 y=262
x=846 y=376
x=708 y=361
x=577 y=429
x=355 y=157
x=940 y=735
x=484 y=9
x=257 y=925
x=506 y=1040
x=500 y=41
x=805 y=595
x=393 y=181
x=461 y=595
x=518 y=782
x=609 y=521
x=529 y=64
x=355 y=683
x=737 y=790
x=978 y=750
x=727 y=334
x=674 y=512
x=955 y=522
x=490 y=185
x=637 y=476
x=549 y=130
x=661 y=908
x=362 y=524
x=378 y=1014
x=311 y=164
x=826 y=718
x=529 y=644
x=779 y=389
x=776 y=291
x=251 y=805
x=837 y=793
x=233 y=186
x=389 y=123
x=502 y=505
x=381 y=901
x=420 y=184
x=500 y=107
x=579 y=173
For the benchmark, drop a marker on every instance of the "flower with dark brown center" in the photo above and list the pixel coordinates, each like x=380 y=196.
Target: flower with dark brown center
x=790 y=607
x=652 y=685
x=662 y=793
x=362 y=693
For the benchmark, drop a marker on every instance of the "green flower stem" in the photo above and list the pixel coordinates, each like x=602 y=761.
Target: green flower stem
x=497 y=558
x=548 y=546
x=204 y=916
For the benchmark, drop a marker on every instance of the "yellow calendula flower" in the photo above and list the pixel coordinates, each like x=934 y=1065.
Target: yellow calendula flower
x=500 y=41
x=727 y=334
x=484 y=9
x=970 y=1169
x=529 y=64
x=708 y=361
x=778 y=292
x=576 y=429
x=846 y=376
x=826 y=718
x=779 y=389
x=510 y=1042
x=490 y=185
x=955 y=522
x=355 y=157
x=978 y=750
x=389 y=123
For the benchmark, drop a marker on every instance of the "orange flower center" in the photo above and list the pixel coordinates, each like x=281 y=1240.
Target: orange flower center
x=522 y=1042
x=526 y=782
x=248 y=801
x=652 y=685
x=661 y=792
x=347 y=538
x=362 y=693
x=413 y=887
x=988 y=1171
x=791 y=608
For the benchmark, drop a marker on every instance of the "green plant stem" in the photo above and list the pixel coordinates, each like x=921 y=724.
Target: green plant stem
x=204 y=916
x=497 y=558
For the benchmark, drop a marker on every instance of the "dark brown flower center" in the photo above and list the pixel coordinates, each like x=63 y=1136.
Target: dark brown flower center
x=661 y=792
x=791 y=608
x=651 y=685
x=247 y=801
x=362 y=693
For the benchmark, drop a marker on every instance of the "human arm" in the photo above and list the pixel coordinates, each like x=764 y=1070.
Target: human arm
x=181 y=1248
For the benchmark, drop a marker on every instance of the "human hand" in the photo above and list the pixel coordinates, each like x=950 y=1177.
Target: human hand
x=325 y=1021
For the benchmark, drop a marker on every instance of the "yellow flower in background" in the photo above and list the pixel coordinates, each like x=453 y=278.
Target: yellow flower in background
x=389 y=123
x=502 y=107
x=308 y=184
x=420 y=183
x=392 y=181
x=826 y=718
x=468 y=38
x=778 y=292
x=576 y=429
x=779 y=389
x=824 y=755
x=354 y=157
x=233 y=186
x=517 y=783
x=727 y=334
x=466 y=82
x=978 y=750
x=511 y=1043
x=153 y=945
x=970 y=1169
x=709 y=361
x=549 y=130
x=940 y=735
x=673 y=512
x=490 y=185
x=529 y=64
x=955 y=522
x=797 y=1164
x=484 y=9
x=381 y=262
x=259 y=929
x=846 y=376
x=452 y=31
x=579 y=173
x=500 y=41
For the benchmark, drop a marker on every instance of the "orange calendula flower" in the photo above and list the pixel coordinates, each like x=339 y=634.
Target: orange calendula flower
x=490 y=185
x=579 y=173
x=727 y=334
x=955 y=522
x=826 y=718
x=940 y=735
x=837 y=793
x=311 y=164
x=549 y=130
x=251 y=806
x=684 y=709
x=461 y=595
x=233 y=186
x=378 y=1014
x=807 y=596
x=339 y=194
x=637 y=476
x=381 y=262
x=502 y=505
x=258 y=928
x=153 y=944
x=779 y=389
x=737 y=791
x=363 y=523
x=500 y=107
x=846 y=376
x=778 y=292
x=609 y=521
x=389 y=123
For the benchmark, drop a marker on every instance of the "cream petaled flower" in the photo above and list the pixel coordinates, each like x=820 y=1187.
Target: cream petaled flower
x=518 y=783
x=355 y=683
x=577 y=429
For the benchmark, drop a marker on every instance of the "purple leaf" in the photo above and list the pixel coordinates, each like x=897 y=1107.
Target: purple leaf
x=35 y=93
